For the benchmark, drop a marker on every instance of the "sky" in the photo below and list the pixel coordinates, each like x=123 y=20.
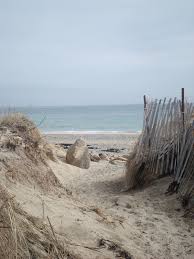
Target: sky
x=86 y=52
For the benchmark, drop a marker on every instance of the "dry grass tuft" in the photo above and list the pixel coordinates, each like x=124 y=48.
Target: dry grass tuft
x=22 y=236
x=134 y=171
x=131 y=171
x=25 y=154
x=21 y=127
x=137 y=174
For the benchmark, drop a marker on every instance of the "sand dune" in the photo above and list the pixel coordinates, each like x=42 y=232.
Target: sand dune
x=89 y=210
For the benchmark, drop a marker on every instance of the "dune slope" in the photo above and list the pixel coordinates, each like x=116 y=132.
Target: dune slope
x=58 y=210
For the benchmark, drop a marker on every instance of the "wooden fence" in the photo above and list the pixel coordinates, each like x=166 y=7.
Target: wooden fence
x=166 y=145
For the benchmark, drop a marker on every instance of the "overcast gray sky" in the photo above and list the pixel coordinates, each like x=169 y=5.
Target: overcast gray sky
x=68 y=52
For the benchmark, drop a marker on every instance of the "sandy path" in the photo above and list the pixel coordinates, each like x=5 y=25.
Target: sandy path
x=147 y=223
x=144 y=223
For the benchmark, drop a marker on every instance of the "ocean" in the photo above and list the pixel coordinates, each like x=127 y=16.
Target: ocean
x=125 y=118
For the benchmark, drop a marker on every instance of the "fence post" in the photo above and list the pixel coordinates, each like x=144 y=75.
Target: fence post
x=145 y=102
x=183 y=107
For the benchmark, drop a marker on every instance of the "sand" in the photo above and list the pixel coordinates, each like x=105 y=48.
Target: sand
x=94 y=215
x=147 y=223
x=98 y=142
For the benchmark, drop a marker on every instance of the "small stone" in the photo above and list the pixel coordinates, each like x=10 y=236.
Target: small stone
x=94 y=157
x=103 y=156
x=128 y=206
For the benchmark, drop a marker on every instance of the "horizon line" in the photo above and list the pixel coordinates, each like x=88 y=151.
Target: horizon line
x=59 y=106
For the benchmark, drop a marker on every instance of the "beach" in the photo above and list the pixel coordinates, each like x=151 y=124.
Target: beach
x=96 y=129
x=145 y=222
x=84 y=213
x=106 y=142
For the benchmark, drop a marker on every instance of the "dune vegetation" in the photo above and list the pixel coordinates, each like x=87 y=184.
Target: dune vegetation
x=52 y=209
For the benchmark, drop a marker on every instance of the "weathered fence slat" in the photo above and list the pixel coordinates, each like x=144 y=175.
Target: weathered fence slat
x=166 y=144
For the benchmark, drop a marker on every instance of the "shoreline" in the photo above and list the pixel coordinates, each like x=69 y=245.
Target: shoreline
x=90 y=132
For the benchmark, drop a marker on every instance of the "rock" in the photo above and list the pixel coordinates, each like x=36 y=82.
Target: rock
x=3 y=130
x=125 y=156
x=112 y=150
x=103 y=156
x=128 y=206
x=18 y=140
x=94 y=157
x=78 y=154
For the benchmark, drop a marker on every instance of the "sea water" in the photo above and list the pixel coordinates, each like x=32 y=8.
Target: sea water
x=125 y=118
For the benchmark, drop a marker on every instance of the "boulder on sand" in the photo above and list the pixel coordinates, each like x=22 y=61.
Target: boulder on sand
x=94 y=158
x=78 y=154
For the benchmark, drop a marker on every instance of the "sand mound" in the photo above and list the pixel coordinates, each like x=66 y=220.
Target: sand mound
x=24 y=154
x=23 y=131
x=24 y=158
